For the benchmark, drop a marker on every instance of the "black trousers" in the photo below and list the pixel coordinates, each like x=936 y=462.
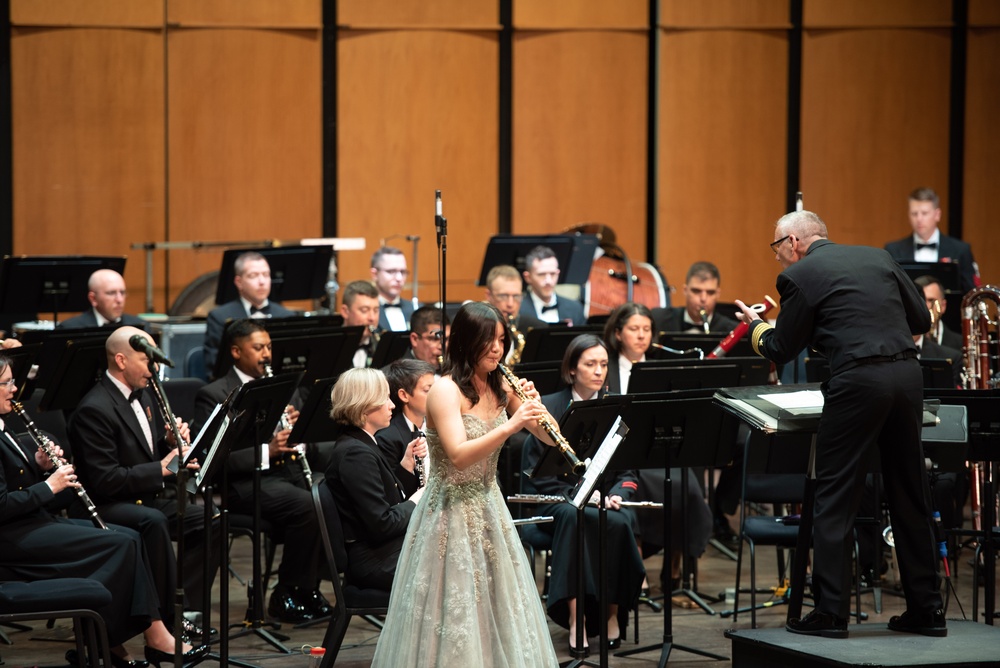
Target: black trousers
x=873 y=410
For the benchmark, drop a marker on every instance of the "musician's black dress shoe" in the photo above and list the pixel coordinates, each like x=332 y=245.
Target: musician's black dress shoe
x=192 y=657
x=819 y=623
x=193 y=632
x=116 y=661
x=314 y=602
x=925 y=623
x=286 y=607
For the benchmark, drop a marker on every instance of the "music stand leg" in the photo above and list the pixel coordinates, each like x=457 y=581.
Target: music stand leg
x=798 y=575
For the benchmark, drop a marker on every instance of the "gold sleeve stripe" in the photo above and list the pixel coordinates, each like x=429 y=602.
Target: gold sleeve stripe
x=757 y=333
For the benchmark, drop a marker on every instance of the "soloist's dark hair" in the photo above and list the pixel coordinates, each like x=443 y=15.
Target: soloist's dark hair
x=472 y=333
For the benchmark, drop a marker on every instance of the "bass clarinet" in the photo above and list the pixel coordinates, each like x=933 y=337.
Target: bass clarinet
x=46 y=446
x=284 y=424
x=551 y=429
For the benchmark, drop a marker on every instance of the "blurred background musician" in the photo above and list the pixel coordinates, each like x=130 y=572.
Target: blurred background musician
x=403 y=440
x=583 y=373
x=427 y=339
x=360 y=308
x=927 y=244
x=106 y=294
x=628 y=334
x=389 y=273
x=541 y=273
x=702 y=289
x=40 y=545
x=504 y=290
x=122 y=449
x=252 y=277
x=285 y=499
x=937 y=305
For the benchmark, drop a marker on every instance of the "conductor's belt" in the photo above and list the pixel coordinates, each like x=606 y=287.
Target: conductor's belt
x=878 y=359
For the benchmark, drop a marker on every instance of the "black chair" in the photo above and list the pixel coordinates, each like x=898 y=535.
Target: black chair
x=349 y=600
x=181 y=393
x=75 y=598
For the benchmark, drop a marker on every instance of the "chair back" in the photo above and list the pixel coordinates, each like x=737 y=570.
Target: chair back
x=330 y=529
x=194 y=363
x=181 y=393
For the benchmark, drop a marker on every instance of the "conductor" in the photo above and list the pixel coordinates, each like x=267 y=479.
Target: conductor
x=856 y=306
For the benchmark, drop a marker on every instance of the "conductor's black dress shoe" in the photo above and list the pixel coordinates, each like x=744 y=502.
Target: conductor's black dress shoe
x=819 y=623
x=925 y=623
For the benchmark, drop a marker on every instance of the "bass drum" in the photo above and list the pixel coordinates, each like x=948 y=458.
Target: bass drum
x=198 y=298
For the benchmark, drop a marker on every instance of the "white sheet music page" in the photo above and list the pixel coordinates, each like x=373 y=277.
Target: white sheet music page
x=796 y=403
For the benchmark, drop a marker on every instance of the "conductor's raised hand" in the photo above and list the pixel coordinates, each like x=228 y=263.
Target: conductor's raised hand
x=747 y=314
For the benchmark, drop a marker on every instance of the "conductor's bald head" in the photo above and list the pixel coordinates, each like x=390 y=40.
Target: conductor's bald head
x=125 y=364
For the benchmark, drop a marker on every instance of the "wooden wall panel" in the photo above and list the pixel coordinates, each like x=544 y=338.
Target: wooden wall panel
x=418 y=112
x=577 y=14
x=982 y=146
x=88 y=149
x=870 y=133
x=984 y=13
x=722 y=156
x=579 y=137
x=418 y=13
x=245 y=138
x=132 y=13
x=725 y=14
x=246 y=13
x=882 y=13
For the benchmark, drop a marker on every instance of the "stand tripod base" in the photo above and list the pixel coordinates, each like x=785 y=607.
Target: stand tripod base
x=275 y=640
x=665 y=649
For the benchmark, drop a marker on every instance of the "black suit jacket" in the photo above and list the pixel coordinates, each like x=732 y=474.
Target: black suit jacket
x=383 y=322
x=392 y=442
x=220 y=315
x=950 y=249
x=952 y=339
x=370 y=499
x=671 y=319
x=22 y=486
x=89 y=319
x=566 y=308
x=112 y=458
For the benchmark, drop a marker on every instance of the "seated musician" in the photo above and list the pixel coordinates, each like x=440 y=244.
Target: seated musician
x=402 y=443
x=106 y=294
x=360 y=309
x=122 y=450
x=426 y=337
x=285 y=499
x=39 y=545
x=584 y=369
x=701 y=294
x=372 y=503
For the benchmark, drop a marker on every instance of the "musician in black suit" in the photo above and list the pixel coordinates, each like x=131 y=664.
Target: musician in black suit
x=253 y=283
x=702 y=288
x=360 y=308
x=938 y=305
x=122 y=449
x=927 y=244
x=40 y=545
x=628 y=334
x=403 y=440
x=389 y=272
x=106 y=294
x=285 y=499
x=856 y=306
x=427 y=338
x=373 y=506
x=541 y=273
x=584 y=368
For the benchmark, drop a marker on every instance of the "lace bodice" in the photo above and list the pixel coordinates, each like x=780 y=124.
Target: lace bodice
x=483 y=472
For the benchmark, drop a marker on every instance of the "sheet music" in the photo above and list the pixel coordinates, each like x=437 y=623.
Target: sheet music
x=797 y=403
x=206 y=465
x=204 y=428
x=600 y=461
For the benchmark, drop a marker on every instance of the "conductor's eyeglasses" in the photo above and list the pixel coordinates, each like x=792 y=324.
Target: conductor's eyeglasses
x=774 y=244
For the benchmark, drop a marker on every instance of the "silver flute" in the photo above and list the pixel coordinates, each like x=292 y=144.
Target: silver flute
x=45 y=445
x=286 y=423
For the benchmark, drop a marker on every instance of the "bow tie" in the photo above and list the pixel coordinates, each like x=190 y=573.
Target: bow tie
x=931 y=246
x=549 y=307
x=263 y=309
x=135 y=396
x=398 y=305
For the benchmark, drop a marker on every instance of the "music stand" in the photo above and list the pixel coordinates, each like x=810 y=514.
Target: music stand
x=704 y=342
x=574 y=252
x=315 y=353
x=649 y=377
x=80 y=365
x=754 y=370
x=314 y=423
x=297 y=272
x=950 y=276
x=938 y=372
x=544 y=344
x=21 y=359
x=679 y=429
x=391 y=347
x=43 y=283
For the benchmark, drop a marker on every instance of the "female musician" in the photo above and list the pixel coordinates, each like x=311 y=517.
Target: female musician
x=38 y=545
x=584 y=370
x=628 y=335
x=463 y=593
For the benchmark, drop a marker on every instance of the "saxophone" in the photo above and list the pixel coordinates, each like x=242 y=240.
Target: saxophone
x=515 y=353
x=284 y=424
x=46 y=446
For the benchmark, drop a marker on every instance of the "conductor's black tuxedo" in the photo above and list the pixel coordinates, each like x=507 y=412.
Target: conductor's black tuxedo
x=392 y=442
x=372 y=506
x=89 y=319
x=125 y=480
x=285 y=500
x=215 y=325
x=950 y=249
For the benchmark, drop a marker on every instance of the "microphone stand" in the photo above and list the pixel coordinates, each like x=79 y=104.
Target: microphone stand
x=441 y=227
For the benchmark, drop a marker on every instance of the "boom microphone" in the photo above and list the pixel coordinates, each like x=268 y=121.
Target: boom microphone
x=141 y=344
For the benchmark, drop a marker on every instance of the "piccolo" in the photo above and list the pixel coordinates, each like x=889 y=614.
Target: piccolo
x=284 y=424
x=45 y=445
x=551 y=429
x=555 y=498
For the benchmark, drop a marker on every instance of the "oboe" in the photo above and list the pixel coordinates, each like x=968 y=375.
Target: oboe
x=418 y=463
x=284 y=424
x=45 y=445
x=551 y=429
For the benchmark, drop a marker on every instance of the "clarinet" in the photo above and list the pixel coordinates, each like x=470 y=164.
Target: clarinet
x=284 y=424
x=45 y=445
x=551 y=429
x=418 y=463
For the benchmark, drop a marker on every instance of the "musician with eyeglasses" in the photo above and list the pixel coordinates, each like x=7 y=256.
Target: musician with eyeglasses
x=427 y=337
x=389 y=273
x=122 y=451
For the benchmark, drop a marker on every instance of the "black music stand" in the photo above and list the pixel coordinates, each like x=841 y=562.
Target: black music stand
x=586 y=424
x=391 y=347
x=544 y=344
x=704 y=342
x=54 y=341
x=939 y=372
x=44 y=283
x=315 y=354
x=647 y=377
x=754 y=370
x=297 y=272
x=314 y=423
x=680 y=429
x=21 y=359
x=80 y=365
x=264 y=401
x=547 y=376
x=575 y=253
x=950 y=276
